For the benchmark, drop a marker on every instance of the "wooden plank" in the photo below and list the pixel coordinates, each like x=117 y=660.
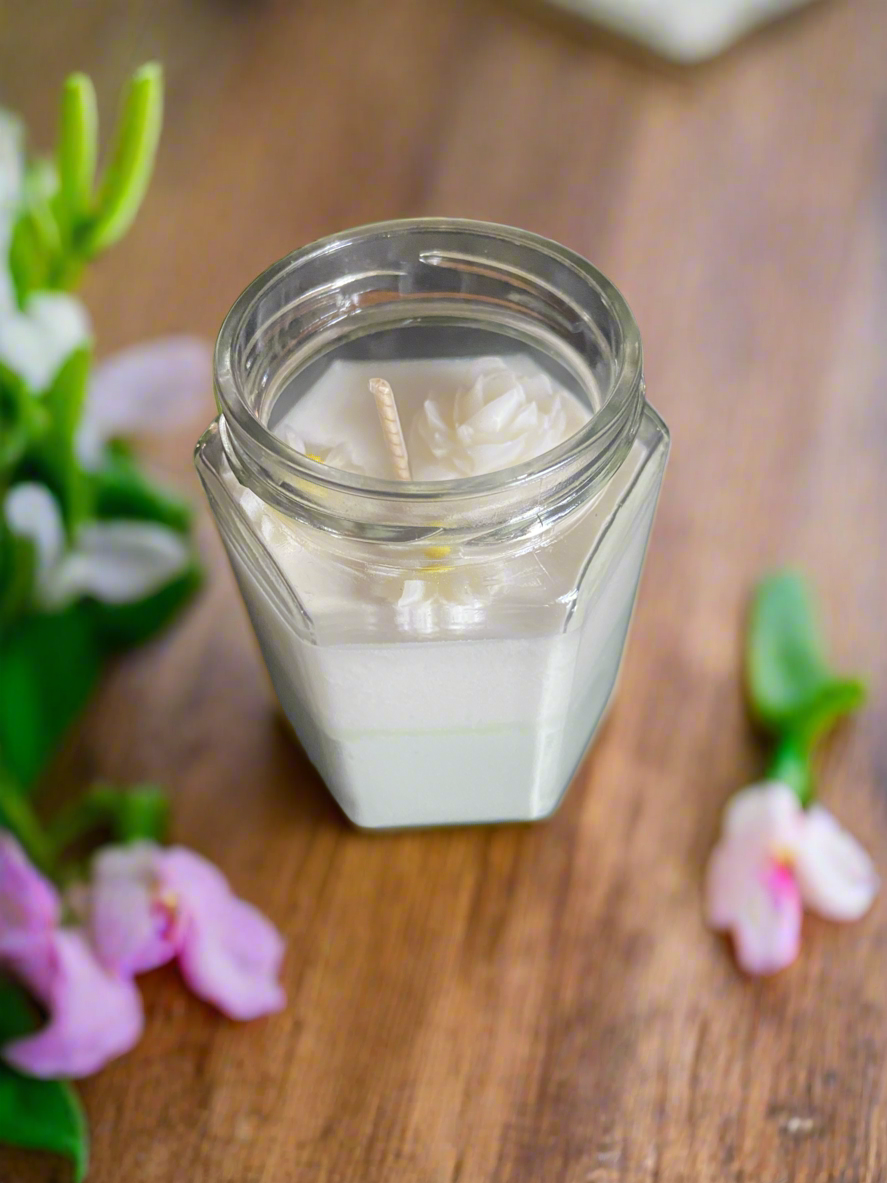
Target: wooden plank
x=521 y=1005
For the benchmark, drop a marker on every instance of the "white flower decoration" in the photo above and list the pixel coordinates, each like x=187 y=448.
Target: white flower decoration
x=117 y=562
x=504 y=416
x=337 y=456
x=36 y=341
x=437 y=601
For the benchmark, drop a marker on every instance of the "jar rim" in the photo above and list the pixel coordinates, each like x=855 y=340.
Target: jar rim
x=591 y=446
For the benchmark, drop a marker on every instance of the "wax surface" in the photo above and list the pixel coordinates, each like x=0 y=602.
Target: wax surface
x=461 y=417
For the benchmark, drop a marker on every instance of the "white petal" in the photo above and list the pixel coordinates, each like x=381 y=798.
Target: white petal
x=32 y=512
x=504 y=417
x=292 y=439
x=36 y=342
x=341 y=456
x=757 y=900
x=146 y=388
x=119 y=562
x=836 y=876
x=768 y=812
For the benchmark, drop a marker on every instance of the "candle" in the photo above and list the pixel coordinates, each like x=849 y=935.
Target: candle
x=464 y=416
x=435 y=474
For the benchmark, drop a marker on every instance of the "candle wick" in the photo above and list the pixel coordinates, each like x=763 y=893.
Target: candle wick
x=391 y=428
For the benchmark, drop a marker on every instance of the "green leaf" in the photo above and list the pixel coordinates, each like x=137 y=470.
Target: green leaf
x=18 y=564
x=121 y=490
x=126 y=179
x=23 y=419
x=141 y=812
x=49 y=666
x=790 y=685
x=122 y=625
x=55 y=457
x=40 y=189
x=17 y=815
x=77 y=146
x=130 y=814
x=29 y=260
x=37 y=1114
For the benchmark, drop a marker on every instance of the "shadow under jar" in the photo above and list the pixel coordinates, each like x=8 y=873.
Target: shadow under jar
x=444 y=649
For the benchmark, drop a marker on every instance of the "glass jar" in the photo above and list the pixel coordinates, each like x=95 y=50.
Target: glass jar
x=444 y=650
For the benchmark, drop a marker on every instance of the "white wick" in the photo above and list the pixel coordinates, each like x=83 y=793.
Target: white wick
x=391 y=428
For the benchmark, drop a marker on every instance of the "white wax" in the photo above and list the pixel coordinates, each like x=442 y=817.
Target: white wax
x=428 y=697
x=461 y=417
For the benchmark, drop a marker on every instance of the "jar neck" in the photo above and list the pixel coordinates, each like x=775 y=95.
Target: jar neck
x=434 y=273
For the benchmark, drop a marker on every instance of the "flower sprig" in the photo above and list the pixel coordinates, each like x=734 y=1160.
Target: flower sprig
x=66 y=219
x=779 y=850
x=93 y=556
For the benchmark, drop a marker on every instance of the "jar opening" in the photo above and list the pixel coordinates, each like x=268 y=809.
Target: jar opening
x=439 y=285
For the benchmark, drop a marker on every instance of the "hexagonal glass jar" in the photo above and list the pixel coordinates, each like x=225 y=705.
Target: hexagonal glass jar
x=444 y=650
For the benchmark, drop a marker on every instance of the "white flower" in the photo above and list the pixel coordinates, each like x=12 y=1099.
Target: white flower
x=145 y=388
x=337 y=456
x=36 y=341
x=117 y=562
x=437 y=601
x=773 y=858
x=501 y=418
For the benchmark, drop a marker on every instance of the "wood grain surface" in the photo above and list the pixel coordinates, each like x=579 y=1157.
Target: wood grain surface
x=520 y=1004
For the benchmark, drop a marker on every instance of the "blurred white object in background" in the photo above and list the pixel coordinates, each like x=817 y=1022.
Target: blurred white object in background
x=684 y=30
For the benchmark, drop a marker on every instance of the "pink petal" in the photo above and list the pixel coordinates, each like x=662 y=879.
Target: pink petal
x=230 y=953
x=30 y=957
x=836 y=877
x=28 y=901
x=767 y=813
x=758 y=901
x=94 y=1016
x=146 y=388
x=132 y=926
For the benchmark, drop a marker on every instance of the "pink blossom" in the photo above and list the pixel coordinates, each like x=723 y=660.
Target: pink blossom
x=28 y=901
x=773 y=859
x=147 y=905
x=94 y=1015
x=150 y=387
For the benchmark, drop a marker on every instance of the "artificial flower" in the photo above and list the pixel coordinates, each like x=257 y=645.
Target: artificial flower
x=154 y=386
x=773 y=859
x=36 y=340
x=337 y=455
x=503 y=416
x=146 y=905
x=94 y=1014
x=115 y=561
x=440 y=597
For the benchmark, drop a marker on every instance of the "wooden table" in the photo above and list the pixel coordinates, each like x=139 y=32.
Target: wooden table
x=521 y=1004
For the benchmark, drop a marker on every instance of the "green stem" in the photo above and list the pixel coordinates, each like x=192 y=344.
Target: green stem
x=21 y=819
x=72 y=824
x=792 y=764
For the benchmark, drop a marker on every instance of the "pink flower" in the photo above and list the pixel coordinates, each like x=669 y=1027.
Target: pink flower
x=146 y=388
x=147 y=905
x=94 y=1015
x=773 y=858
